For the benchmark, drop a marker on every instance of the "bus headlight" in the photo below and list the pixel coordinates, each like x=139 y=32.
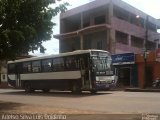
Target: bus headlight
x=113 y=81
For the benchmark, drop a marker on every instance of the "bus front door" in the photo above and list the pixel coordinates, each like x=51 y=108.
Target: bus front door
x=85 y=75
x=85 y=79
x=17 y=75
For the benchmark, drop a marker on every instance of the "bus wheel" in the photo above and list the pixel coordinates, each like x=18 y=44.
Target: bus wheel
x=45 y=90
x=93 y=91
x=28 y=88
x=76 y=88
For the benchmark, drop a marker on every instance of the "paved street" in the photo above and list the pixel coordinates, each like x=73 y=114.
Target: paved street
x=103 y=102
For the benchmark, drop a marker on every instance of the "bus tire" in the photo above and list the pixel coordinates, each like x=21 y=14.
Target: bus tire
x=27 y=87
x=45 y=90
x=93 y=91
x=76 y=88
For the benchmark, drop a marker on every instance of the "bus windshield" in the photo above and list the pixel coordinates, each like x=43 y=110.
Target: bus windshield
x=101 y=64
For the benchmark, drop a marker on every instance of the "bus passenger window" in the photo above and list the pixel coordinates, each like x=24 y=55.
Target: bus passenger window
x=58 y=64
x=47 y=65
x=76 y=64
x=71 y=63
x=27 y=67
x=82 y=65
x=36 y=66
x=11 y=69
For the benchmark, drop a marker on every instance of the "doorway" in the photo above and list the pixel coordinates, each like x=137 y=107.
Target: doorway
x=124 y=76
x=149 y=76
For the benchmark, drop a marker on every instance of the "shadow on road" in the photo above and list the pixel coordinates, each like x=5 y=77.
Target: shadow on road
x=4 y=106
x=55 y=93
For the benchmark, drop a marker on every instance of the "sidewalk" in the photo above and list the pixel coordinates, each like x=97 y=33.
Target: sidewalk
x=141 y=90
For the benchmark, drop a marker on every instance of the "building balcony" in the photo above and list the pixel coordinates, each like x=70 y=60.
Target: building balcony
x=86 y=30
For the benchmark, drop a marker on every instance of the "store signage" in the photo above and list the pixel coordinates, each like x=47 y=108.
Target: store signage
x=121 y=59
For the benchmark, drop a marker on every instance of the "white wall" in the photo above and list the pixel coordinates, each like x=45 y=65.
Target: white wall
x=3 y=77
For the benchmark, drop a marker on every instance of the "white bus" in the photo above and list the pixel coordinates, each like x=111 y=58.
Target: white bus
x=82 y=70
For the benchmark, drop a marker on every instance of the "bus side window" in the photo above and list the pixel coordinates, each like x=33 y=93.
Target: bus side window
x=47 y=65
x=58 y=64
x=76 y=64
x=18 y=68
x=36 y=66
x=27 y=67
x=11 y=69
x=71 y=63
x=82 y=65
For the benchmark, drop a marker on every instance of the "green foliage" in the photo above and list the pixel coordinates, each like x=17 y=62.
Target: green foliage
x=25 y=24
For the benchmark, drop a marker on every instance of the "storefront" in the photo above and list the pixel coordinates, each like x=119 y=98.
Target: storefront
x=157 y=65
x=149 y=71
x=126 y=69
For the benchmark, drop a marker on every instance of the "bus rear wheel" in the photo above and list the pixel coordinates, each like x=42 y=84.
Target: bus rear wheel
x=93 y=91
x=76 y=88
x=27 y=87
x=45 y=90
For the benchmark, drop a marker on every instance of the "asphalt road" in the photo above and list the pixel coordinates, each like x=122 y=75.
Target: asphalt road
x=111 y=102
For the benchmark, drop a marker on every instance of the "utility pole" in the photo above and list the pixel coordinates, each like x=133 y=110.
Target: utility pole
x=145 y=51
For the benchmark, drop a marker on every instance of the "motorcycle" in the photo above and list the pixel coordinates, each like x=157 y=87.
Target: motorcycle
x=156 y=83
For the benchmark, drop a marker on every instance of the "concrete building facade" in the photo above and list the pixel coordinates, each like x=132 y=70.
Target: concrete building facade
x=111 y=25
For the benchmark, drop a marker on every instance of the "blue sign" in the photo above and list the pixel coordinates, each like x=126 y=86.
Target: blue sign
x=121 y=59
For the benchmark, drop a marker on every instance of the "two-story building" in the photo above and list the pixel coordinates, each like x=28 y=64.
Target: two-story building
x=111 y=25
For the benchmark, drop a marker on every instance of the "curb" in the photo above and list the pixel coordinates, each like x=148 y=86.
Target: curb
x=141 y=90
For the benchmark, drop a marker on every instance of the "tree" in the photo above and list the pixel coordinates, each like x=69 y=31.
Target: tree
x=25 y=24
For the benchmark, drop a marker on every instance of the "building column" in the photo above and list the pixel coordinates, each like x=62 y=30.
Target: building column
x=91 y=20
x=81 y=35
x=112 y=41
x=107 y=16
x=112 y=38
x=129 y=40
x=60 y=46
x=81 y=42
x=110 y=12
x=62 y=26
x=81 y=20
x=108 y=40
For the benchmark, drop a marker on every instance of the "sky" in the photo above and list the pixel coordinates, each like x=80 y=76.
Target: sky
x=150 y=7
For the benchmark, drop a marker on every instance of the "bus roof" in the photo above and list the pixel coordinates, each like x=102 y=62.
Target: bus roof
x=57 y=55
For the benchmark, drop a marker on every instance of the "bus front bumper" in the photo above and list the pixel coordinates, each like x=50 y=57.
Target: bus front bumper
x=101 y=87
